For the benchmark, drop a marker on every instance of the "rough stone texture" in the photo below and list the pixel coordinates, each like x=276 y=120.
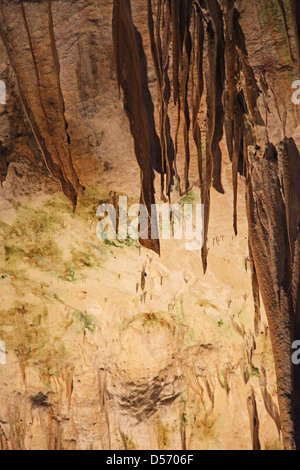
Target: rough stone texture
x=211 y=64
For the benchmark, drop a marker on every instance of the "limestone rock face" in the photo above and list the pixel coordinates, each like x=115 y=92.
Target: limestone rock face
x=149 y=99
x=61 y=62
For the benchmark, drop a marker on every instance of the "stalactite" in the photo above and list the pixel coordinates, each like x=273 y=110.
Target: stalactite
x=230 y=98
x=48 y=127
x=238 y=138
x=211 y=118
x=219 y=83
x=160 y=55
x=230 y=54
x=198 y=84
x=176 y=46
x=132 y=78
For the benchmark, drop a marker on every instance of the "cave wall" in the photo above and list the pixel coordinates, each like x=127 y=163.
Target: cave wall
x=234 y=61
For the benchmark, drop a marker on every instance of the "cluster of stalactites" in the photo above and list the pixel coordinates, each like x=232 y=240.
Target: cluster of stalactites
x=196 y=45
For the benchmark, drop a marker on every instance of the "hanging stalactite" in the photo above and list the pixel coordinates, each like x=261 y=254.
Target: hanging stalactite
x=132 y=78
x=46 y=117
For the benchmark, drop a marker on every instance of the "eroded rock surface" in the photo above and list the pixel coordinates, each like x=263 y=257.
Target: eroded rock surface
x=216 y=69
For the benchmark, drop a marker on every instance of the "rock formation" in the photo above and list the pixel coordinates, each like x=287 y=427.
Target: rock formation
x=191 y=73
